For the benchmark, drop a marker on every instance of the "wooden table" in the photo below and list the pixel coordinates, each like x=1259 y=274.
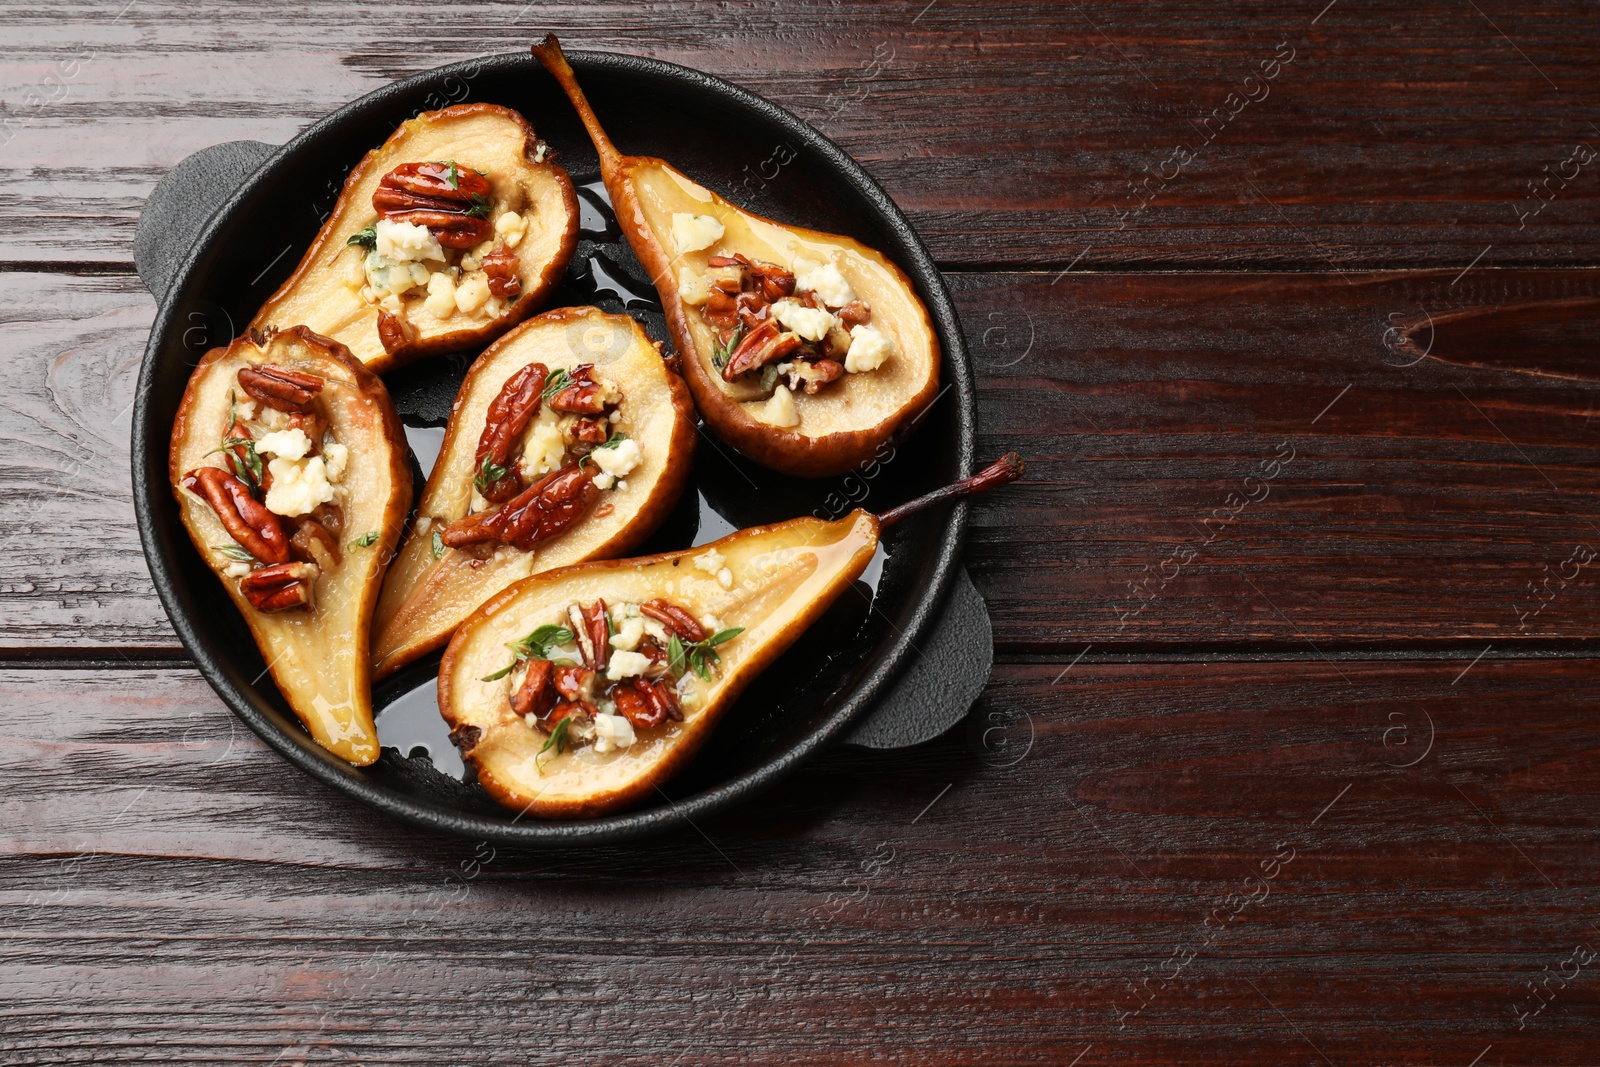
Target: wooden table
x=1289 y=755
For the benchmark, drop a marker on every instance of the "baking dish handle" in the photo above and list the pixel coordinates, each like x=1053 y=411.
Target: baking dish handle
x=183 y=202
x=944 y=678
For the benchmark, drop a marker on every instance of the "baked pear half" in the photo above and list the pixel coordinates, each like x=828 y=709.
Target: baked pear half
x=579 y=691
x=292 y=478
x=570 y=440
x=445 y=236
x=804 y=350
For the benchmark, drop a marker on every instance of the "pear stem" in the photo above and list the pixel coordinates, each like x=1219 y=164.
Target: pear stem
x=548 y=52
x=1008 y=468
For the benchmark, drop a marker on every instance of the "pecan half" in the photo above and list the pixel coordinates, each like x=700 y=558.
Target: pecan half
x=582 y=395
x=771 y=281
x=822 y=372
x=258 y=531
x=586 y=434
x=854 y=313
x=580 y=633
x=450 y=200
x=280 y=587
x=644 y=703
x=673 y=618
x=313 y=543
x=575 y=709
x=543 y=510
x=599 y=632
x=574 y=683
x=394 y=331
x=536 y=695
x=759 y=347
x=509 y=414
x=501 y=268
x=280 y=387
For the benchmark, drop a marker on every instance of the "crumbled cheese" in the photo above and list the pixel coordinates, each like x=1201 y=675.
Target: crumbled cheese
x=779 y=409
x=441 y=302
x=290 y=444
x=870 y=347
x=691 y=233
x=825 y=280
x=711 y=624
x=539 y=153
x=611 y=731
x=811 y=323
x=725 y=578
x=656 y=630
x=543 y=448
x=392 y=304
x=511 y=226
x=389 y=280
x=472 y=259
x=336 y=459
x=402 y=242
x=626 y=664
x=709 y=561
x=244 y=408
x=472 y=294
x=615 y=462
x=299 y=486
x=236 y=570
x=629 y=633
x=693 y=287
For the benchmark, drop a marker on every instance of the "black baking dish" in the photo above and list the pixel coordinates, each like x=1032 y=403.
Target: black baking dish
x=894 y=663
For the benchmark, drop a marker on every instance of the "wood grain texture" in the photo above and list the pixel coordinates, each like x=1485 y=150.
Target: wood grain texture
x=1390 y=138
x=1143 y=404
x=998 y=895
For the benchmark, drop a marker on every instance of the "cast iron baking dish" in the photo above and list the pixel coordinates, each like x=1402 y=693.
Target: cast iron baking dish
x=897 y=628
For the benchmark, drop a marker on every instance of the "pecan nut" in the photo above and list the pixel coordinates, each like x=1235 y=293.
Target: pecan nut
x=279 y=387
x=280 y=587
x=759 y=347
x=313 y=543
x=673 y=618
x=536 y=695
x=542 y=511
x=501 y=268
x=509 y=414
x=257 y=530
x=394 y=331
x=574 y=683
x=598 y=626
x=450 y=200
x=645 y=703
x=582 y=395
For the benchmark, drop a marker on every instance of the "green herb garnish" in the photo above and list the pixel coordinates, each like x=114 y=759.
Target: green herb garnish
x=235 y=552
x=558 y=738
x=452 y=176
x=700 y=655
x=721 y=353
x=616 y=438
x=537 y=645
x=479 y=208
x=367 y=238
x=557 y=382
x=488 y=474
x=438 y=545
x=367 y=539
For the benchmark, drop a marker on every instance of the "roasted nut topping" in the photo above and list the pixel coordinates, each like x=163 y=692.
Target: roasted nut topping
x=582 y=395
x=508 y=416
x=279 y=387
x=280 y=587
x=313 y=543
x=536 y=695
x=644 y=703
x=574 y=683
x=759 y=347
x=394 y=331
x=599 y=632
x=673 y=618
x=450 y=200
x=258 y=531
x=541 y=511
x=501 y=267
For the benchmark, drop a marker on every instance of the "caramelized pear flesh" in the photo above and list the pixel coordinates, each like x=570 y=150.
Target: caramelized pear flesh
x=289 y=467
x=503 y=218
x=758 y=590
x=443 y=570
x=684 y=233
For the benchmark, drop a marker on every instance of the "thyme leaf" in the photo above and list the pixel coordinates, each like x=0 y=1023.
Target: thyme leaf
x=367 y=238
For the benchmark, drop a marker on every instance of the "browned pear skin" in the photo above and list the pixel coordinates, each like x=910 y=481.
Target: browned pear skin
x=523 y=175
x=850 y=419
x=318 y=658
x=785 y=576
x=426 y=598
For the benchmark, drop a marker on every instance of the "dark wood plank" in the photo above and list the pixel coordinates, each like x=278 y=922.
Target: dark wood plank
x=1010 y=893
x=1388 y=139
x=1142 y=402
